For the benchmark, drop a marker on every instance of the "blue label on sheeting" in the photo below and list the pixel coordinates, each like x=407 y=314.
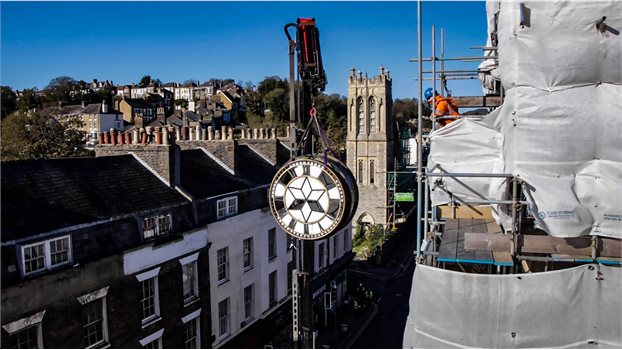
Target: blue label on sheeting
x=612 y=217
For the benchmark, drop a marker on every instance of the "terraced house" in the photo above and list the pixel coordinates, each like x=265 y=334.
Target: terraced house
x=163 y=240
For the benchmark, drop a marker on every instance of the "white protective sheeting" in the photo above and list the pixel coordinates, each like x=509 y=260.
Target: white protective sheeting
x=560 y=126
x=572 y=308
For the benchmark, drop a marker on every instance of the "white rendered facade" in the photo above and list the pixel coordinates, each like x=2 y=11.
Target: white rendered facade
x=229 y=235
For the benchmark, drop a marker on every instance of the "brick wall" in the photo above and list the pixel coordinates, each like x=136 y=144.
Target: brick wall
x=62 y=325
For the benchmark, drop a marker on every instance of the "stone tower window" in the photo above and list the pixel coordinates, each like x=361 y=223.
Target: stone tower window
x=372 y=169
x=372 y=114
x=360 y=172
x=360 y=112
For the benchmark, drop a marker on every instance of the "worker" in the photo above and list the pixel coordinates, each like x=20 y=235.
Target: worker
x=443 y=106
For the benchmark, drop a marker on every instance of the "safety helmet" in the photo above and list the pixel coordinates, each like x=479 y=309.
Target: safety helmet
x=429 y=92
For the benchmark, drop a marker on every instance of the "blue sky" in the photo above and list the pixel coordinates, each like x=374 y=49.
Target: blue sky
x=176 y=41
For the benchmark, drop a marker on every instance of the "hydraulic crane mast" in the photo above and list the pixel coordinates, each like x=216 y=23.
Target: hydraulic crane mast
x=312 y=81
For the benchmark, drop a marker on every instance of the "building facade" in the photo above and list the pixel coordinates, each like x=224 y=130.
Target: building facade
x=369 y=142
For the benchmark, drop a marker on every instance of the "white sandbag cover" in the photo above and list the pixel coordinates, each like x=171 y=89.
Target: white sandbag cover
x=560 y=127
x=571 y=308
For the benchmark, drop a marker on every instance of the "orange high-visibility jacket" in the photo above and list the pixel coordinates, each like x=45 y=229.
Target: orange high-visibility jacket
x=443 y=109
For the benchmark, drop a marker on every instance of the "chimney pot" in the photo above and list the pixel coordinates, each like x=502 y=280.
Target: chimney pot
x=158 y=135
x=135 y=139
x=143 y=134
x=120 y=138
x=255 y=133
x=113 y=139
x=273 y=131
x=177 y=133
x=106 y=138
x=210 y=133
x=128 y=138
x=165 y=136
x=100 y=138
x=223 y=132
x=184 y=132
x=230 y=133
x=198 y=133
x=217 y=135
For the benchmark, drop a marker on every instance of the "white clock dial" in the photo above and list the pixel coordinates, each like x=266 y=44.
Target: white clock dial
x=308 y=200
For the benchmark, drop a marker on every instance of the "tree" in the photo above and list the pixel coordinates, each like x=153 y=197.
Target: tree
x=145 y=80
x=32 y=136
x=277 y=100
x=60 y=90
x=8 y=102
x=181 y=102
x=271 y=83
x=29 y=99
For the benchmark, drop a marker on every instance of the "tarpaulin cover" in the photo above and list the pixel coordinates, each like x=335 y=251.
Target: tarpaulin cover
x=560 y=126
x=571 y=308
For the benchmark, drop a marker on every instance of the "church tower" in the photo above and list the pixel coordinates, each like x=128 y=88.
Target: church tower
x=369 y=142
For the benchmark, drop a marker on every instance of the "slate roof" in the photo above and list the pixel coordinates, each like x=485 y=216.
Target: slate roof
x=254 y=168
x=174 y=120
x=155 y=123
x=139 y=103
x=44 y=195
x=95 y=108
x=59 y=111
x=203 y=177
x=191 y=115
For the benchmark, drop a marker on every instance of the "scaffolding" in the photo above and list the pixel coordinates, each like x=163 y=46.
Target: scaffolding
x=510 y=249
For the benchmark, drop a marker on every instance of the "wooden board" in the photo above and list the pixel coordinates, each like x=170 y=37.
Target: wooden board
x=452 y=248
x=503 y=258
x=477 y=101
x=555 y=245
x=466 y=212
x=609 y=247
x=490 y=241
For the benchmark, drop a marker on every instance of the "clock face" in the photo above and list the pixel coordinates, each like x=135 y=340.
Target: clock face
x=307 y=199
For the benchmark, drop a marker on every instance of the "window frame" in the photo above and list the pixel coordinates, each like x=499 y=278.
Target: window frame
x=193 y=294
x=15 y=328
x=272 y=249
x=360 y=114
x=224 y=263
x=153 y=337
x=372 y=114
x=47 y=255
x=273 y=297
x=361 y=171
x=159 y=226
x=142 y=278
x=372 y=170
x=224 y=319
x=98 y=295
x=247 y=254
x=226 y=207
x=193 y=321
x=104 y=323
x=321 y=255
x=249 y=304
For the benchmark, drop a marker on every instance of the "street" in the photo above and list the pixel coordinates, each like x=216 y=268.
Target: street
x=391 y=287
